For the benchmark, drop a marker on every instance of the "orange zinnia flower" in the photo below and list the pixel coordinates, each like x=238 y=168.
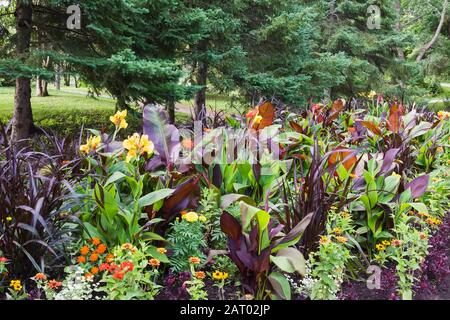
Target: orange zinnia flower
x=194 y=260
x=109 y=258
x=154 y=262
x=53 y=284
x=118 y=275
x=81 y=259
x=200 y=275
x=40 y=276
x=93 y=257
x=187 y=143
x=96 y=241
x=84 y=250
x=101 y=249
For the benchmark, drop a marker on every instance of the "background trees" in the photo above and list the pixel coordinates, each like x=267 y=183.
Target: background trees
x=167 y=50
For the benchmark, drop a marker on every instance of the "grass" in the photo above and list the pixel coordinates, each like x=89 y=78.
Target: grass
x=66 y=112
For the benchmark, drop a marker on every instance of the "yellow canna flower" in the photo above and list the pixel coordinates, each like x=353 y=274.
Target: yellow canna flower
x=131 y=155
x=92 y=144
x=258 y=119
x=119 y=119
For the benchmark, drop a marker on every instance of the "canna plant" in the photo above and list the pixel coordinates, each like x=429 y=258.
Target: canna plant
x=258 y=248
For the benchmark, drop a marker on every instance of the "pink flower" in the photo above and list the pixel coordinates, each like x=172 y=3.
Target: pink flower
x=3 y=259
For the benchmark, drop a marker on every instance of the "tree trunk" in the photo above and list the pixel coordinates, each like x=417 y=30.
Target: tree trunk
x=41 y=87
x=67 y=80
x=171 y=110
x=398 y=27
x=22 y=123
x=58 y=78
x=436 y=34
x=200 y=97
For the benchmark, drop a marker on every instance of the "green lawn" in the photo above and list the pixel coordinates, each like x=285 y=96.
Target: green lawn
x=65 y=112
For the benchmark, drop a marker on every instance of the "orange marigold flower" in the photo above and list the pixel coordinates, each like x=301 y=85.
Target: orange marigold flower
x=109 y=258
x=154 y=262
x=194 y=260
x=422 y=236
x=94 y=270
x=200 y=275
x=84 y=250
x=96 y=241
x=40 y=276
x=93 y=257
x=161 y=250
x=101 y=249
x=53 y=284
x=81 y=259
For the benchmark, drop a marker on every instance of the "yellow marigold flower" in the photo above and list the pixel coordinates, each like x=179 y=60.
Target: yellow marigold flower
x=337 y=230
x=443 y=115
x=324 y=240
x=345 y=214
x=386 y=243
x=341 y=239
x=161 y=250
x=380 y=247
x=191 y=217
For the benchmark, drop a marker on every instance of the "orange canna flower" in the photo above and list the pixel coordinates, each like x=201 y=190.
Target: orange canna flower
x=84 y=250
x=93 y=257
x=81 y=259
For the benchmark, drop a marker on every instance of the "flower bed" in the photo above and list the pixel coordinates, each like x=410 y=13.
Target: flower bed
x=342 y=201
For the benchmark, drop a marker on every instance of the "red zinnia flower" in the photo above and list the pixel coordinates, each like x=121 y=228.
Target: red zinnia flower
x=118 y=275
x=127 y=266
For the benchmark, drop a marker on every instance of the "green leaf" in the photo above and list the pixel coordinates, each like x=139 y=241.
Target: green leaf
x=154 y=197
x=290 y=260
x=115 y=176
x=280 y=285
x=419 y=206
